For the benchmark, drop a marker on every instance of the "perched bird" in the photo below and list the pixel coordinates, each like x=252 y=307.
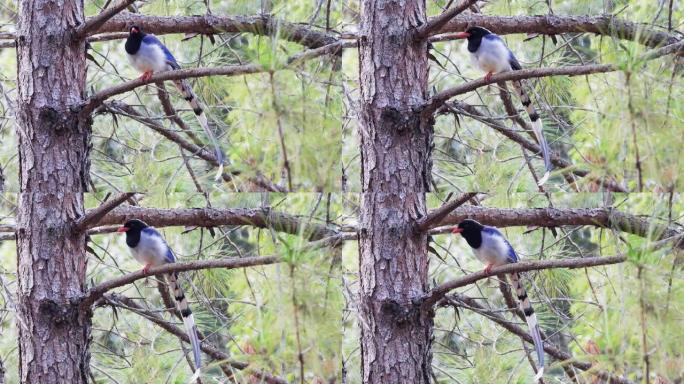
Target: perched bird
x=149 y=55
x=490 y=53
x=492 y=248
x=149 y=247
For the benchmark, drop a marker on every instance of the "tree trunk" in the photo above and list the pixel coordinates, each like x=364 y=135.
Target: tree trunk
x=53 y=152
x=396 y=164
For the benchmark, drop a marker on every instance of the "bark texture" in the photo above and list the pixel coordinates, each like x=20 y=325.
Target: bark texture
x=53 y=151
x=396 y=164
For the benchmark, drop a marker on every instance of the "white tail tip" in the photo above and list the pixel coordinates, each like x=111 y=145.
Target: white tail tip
x=219 y=173
x=539 y=375
x=195 y=376
x=544 y=178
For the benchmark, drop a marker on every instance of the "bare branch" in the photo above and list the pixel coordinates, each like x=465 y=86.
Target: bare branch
x=441 y=290
x=216 y=354
x=675 y=48
x=212 y=24
x=230 y=70
x=171 y=114
x=213 y=217
x=440 y=98
x=555 y=217
x=300 y=33
x=93 y=216
x=332 y=49
x=210 y=157
x=558 y=161
x=438 y=22
x=470 y=303
x=440 y=213
x=97 y=291
x=93 y=23
x=607 y=25
x=282 y=222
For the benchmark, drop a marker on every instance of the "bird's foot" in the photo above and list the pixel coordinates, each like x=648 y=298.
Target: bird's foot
x=488 y=76
x=146 y=269
x=146 y=76
x=488 y=268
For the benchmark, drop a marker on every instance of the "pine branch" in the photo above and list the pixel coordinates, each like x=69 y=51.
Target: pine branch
x=95 y=22
x=127 y=110
x=556 y=217
x=212 y=24
x=99 y=290
x=98 y=98
x=441 y=290
x=470 y=303
x=438 y=22
x=440 y=98
x=606 y=25
x=93 y=216
x=230 y=70
x=556 y=160
x=213 y=217
x=124 y=302
x=440 y=213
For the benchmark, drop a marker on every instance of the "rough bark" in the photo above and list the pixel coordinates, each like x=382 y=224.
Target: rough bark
x=211 y=24
x=396 y=165
x=53 y=152
x=554 y=25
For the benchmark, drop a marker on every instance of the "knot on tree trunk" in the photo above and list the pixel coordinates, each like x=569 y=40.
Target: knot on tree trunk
x=404 y=120
x=407 y=313
x=64 y=313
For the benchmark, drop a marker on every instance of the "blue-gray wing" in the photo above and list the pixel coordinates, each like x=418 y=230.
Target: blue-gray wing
x=510 y=252
x=152 y=40
x=153 y=233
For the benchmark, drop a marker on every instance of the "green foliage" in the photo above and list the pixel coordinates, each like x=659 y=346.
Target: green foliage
x=269 y=316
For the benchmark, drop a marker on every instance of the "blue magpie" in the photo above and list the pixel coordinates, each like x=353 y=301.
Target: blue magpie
x=149 y=247
x=149 y=55
x=490 y=53
x=492 y=248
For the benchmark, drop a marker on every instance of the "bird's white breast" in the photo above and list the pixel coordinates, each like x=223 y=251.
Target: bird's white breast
x=150 y=250
x=492 y=56
x=149 y=58
x=493 y=250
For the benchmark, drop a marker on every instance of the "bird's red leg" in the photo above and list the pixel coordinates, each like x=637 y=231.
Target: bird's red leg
x=146 y=268
x=146 y=76
x=488 y=76
x=488 y=268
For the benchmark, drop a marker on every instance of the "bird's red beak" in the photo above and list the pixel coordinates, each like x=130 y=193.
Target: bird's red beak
x=135 y=30
x=457 y=230
x=122 y=229
x=462 y=35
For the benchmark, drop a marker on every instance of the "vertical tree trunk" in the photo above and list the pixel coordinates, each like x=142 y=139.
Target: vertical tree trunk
x=53 y=151
x=395 y=149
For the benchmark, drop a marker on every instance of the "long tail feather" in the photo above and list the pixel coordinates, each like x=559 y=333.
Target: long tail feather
x=185 y=89
x=188 y=318
x=537 y=128
x=531 y=319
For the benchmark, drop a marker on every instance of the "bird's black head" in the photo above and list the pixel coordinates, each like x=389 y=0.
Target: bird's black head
x=471 y=230
x=135 y=36
x=132 y=228
x=474 y=36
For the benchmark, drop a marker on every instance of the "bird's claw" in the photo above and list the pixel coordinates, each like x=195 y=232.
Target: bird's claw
x=488 y=76
x=146 y=269
x=146 y=76
x=488 y=268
